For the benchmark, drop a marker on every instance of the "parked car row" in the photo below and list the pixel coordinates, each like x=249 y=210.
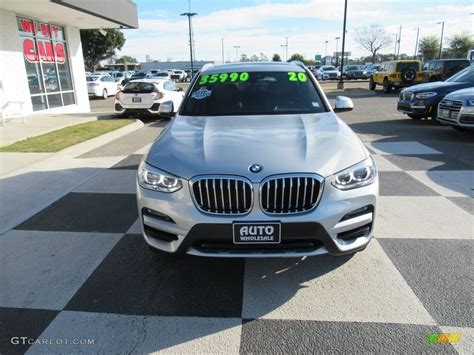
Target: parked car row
x=450 y=102
x=396 y=74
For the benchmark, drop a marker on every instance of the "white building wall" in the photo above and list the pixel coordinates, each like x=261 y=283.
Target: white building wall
x=76 y=61
x=14 y=90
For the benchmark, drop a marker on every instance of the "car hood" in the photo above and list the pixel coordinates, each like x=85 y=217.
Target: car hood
x=314 y=143
x=462 y=94
x=437 y=86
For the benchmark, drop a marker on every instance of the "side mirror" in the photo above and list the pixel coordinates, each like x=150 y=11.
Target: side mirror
x=343 y=103
x=166 y=109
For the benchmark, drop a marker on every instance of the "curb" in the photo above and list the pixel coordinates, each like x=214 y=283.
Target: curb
x=96 y=142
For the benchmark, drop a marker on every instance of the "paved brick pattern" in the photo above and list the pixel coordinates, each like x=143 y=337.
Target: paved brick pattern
x=80 y=269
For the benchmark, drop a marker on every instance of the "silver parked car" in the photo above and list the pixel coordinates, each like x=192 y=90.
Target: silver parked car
x=257 y=163
x=457 y=109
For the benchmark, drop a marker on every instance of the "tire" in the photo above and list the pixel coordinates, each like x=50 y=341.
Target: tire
x=414 y=117
x=434 y=114
x=408 y=76
x=372 y=85
x=105 y=94
x=387 y=88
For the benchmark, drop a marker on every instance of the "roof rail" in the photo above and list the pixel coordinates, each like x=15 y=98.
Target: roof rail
x=206 y=66
x=298 y=63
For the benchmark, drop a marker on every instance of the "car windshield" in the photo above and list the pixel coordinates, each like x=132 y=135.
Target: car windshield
x=92 y=78
x=464 y=76
x=328 y=68
x=407 y=66
x=252 y=93
x=352 y=67
x=117 y=75
x=161 y=74
x=139 y=87
x=139 y=75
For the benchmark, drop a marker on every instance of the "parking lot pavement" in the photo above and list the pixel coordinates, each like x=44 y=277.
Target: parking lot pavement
x=80 y=270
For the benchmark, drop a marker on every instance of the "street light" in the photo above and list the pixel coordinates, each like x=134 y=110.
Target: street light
x=441 y=42
x=416 y=43
x=236 y=52
x=340 y=85
x=395 y=50
x=189 y=15
x=283 y=53
x=222 y=46
x=337 y=42
x=326 y=48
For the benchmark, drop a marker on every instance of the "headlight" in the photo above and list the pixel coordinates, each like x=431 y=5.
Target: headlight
x=361 y=174
x=153 y=179
x=425 y=95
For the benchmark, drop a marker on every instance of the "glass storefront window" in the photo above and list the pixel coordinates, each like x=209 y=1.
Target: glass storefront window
x=47 y=64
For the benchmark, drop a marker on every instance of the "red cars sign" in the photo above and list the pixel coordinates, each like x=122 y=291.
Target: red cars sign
x=43 y=48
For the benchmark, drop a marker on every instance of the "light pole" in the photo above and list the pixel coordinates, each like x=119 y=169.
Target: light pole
x=399 y=39
x=441 y=41
x=337 y=43
x=222 y=47
x=236 y=53
x=286 y=49
x=326 y=48
x=340 y=84
x=416 y=43
x=395 y=50
x=189 y=15
x=283 y=51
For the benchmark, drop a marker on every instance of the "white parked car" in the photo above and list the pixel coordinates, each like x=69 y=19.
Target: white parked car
x=101 y=85
x=144 y=96
x=178 y=75
x=328 y=72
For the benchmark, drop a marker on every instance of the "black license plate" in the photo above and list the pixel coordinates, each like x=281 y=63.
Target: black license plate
x=257 y=233
x=136 y=99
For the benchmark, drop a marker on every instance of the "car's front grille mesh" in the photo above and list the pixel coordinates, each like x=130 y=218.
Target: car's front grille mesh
x=452 y=105
x=223 y=195
x=294 y=194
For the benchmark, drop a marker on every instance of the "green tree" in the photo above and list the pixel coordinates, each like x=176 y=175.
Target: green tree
x=429 y=47
x=460 y=44
x=126 y=58
x=276 y=58
x=298 y=57
x=98 y=45
x=372 y=38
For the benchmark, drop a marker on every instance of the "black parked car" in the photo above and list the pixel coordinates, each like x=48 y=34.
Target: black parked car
x=354 y=72
x=441 y=69
x=136 y=75
x=422 y=100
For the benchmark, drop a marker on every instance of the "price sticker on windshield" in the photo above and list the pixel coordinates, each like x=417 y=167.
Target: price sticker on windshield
x=300 y=76
x=223 y=77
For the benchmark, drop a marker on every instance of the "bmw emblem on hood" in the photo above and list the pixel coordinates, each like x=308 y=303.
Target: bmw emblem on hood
x=255 y=168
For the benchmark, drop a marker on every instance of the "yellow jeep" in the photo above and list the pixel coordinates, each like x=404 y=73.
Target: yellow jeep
x=397 y=74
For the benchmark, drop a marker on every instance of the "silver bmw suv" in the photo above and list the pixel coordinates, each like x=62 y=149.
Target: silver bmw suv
x=256 y=163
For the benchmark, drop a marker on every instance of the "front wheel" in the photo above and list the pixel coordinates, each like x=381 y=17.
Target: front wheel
x=105 y=94
x=387 y=88
x=372 y=85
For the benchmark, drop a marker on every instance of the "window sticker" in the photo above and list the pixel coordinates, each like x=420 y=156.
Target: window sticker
x=223 y=77
x=202 y=93
x=293 y=76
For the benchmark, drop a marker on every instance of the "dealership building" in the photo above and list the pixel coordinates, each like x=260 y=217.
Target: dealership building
x=41 y=61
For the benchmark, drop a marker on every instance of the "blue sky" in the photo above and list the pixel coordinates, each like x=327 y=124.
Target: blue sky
x=261 y=26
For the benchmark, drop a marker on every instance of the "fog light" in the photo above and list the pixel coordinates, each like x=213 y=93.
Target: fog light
x=358 y=212
x=158 y=215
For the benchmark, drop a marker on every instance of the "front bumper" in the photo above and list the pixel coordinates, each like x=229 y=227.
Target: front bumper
x=416 y=107
x=186 y=230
